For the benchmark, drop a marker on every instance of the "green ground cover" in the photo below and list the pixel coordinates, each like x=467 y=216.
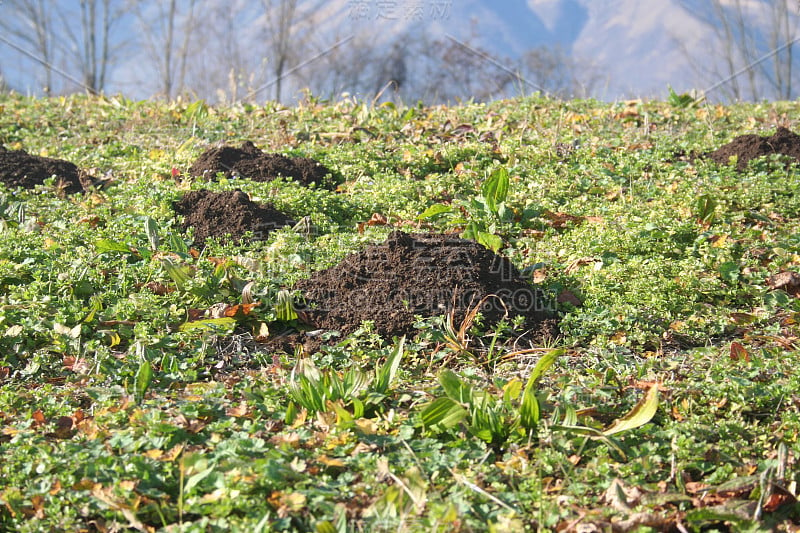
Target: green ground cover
x=670 y=400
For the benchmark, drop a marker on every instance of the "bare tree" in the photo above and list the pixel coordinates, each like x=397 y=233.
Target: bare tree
x=749 y=52
x=93 y=49
x=554 y=71
x=230 y=66
x=288 y=26
x=29 y=24
x=781 y=38
x=280 y=22
x=166 y=29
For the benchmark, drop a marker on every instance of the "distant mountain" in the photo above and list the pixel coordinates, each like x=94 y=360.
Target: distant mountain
x=633 y=45
x=635 y=48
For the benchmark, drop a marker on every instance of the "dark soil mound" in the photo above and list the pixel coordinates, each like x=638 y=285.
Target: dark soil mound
x=747 y=147
x=229 y=214
x=419 y=274
x=248 y=161
x=18 y=168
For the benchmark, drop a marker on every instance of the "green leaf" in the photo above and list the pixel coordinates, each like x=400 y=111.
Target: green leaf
x=640 y=415
x=511 y=391
x=441 y=414
x=284 y=306
x=144 y=376
x=529 y=409
x=455 y=388
x=107 y=245
x=151 y=230
x=177 y=244
x=591 y=433
x=195 y=110
x=434 y=211
x=729 y=271
x=489 y=240
x=705 y=208
x=210 y=324
x=291 y=413
x=495 y=188
x=180 y=274
x=195 y=479
x=387 y=372
x=543 y=365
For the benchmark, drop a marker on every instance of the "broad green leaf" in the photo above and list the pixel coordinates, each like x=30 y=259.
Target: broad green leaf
x=180 y=274
x=495 y=188
x=144 y=376
x=705 y=208
x=107 y=245
x=387 y=371
x=529 y=411
x=291 y=413
x=195 y=109
x=511 y=391
x=343 y=416
x=358 y=408
x=489 y=240
x=442 y=413
x=640 y=415
x=434 y=211
x=543 y=365
x=729 y=271
x=195 y=479
x=455 y=388
x=177 y=244
x=151 y=230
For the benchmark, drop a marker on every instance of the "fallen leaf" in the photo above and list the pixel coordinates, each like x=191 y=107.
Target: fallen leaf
x=779 y=497
x=159 y=289
x=377 y=219
x=560 y=219
x=240 y=411
x=38 y=417
x=788 y=282
x=620 y=497
x=568 y=297
x=739 y=352
x=331 y=463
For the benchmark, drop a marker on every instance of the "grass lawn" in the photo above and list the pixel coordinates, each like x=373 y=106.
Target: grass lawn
x=668 y=402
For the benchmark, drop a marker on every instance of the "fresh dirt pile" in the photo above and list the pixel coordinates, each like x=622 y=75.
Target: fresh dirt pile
x=247 y=161
x=747 y=147
x=420 y=274
x=229 y=214
x=18 y=168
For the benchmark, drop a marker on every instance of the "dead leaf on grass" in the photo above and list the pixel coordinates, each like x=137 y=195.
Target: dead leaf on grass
x=376 y=219
x=560 y=219
x=566 y=296
x=789 y=282
x=739 y=352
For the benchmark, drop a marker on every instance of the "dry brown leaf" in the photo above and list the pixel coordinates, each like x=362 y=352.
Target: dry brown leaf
x=739 y=352
x=788 y=282
x=560 y=219
x=568 y=297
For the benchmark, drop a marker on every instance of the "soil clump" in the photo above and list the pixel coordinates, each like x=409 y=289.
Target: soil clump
x=426 y=275
x=18 y=168
x=227 y=215
x=748 y=147
x=247 y=161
